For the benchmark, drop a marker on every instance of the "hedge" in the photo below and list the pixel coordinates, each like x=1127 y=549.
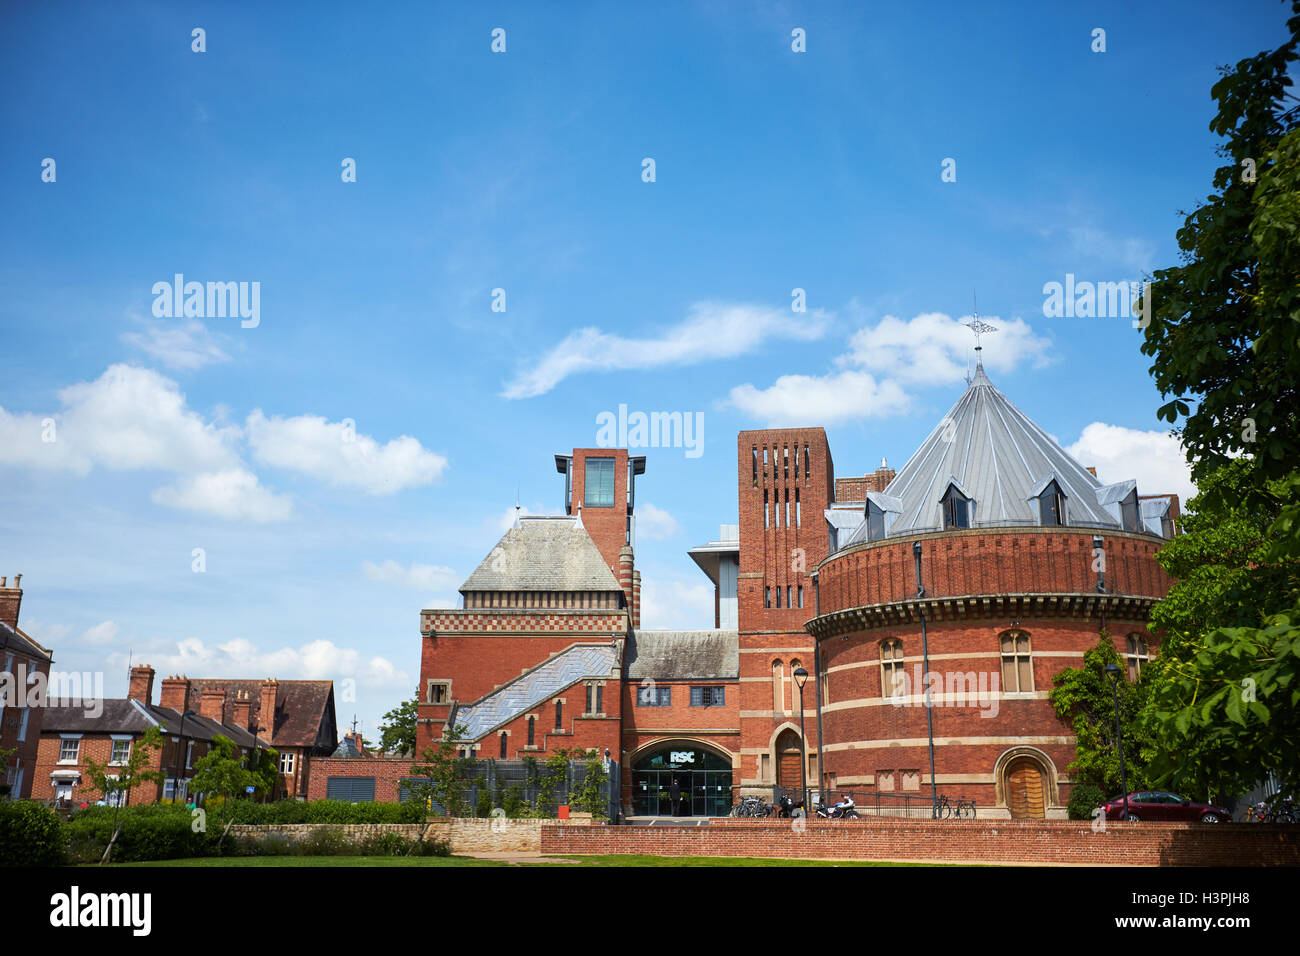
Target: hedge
x=31 y=834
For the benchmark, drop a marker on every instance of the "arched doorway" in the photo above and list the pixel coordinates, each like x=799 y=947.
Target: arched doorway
x=1024 y=789
x=681 y=780
x=789 y=758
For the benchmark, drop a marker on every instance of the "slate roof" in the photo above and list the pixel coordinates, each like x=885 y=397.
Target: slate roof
x=126 y=716
x=996 y=455
x=14 y=639
x=684 y=655
x=536 y=685
x=301 y=708
x=543 y=554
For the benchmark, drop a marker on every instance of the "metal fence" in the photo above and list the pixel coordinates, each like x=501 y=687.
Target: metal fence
x=873 y=803
x=530 y=787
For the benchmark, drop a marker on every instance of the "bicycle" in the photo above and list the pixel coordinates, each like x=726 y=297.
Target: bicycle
x=965 y=809
x=943 y=809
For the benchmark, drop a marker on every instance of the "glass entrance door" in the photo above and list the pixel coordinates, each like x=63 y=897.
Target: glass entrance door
x=702 y=784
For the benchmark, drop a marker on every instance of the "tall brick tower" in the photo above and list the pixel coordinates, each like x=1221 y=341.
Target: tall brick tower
x=786 y=481
x=600 y=484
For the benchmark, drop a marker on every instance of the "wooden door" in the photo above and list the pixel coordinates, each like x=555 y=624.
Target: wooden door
x=1025 y=790
x=788 y=757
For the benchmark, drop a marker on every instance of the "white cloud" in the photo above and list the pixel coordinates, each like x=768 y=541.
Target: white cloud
x=103 y=633
x=425 y=577
x=712 y=330
x=675 y=604
x=935 y=349
x=1156 y=459
x=240 y=658
x=820 y=400
x=233 y=493
x=655 y=524
x=334 y=452
x=178 y=343
x=127 y=419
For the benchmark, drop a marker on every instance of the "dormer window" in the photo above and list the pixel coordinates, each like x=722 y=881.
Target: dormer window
x=875 y=522
x=956 y=508
x=1128 y=512
x=1051 y=505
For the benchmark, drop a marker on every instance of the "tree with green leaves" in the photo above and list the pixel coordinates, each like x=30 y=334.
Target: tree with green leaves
x=397 y=731
x=438 y=779
x=219 y=771
x=1084 y=697
x=1224 y=336
x=116 y=781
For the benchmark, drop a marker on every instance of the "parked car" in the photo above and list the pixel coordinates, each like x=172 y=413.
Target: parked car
x=1165 y=806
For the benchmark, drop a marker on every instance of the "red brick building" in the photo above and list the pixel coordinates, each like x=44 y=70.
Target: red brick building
x=1024 y=558
x=296 y=718
x=24 y=668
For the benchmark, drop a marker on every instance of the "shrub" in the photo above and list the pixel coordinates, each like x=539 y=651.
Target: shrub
x=148 y=833
x=31 y=834
x=432 y=848
x=1084 y=798
x=384 y=844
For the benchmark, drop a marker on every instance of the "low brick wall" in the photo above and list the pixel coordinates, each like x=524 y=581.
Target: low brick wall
x=466 y=836
x=973 y=841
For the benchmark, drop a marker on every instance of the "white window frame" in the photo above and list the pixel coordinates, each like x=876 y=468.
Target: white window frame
x=119 y=739
x=63 y=742
x=288 y=762
x=22 y=723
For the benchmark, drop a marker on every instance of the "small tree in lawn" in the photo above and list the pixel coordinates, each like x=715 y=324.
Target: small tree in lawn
x=437 y=778
x=116 y=781
x=219 y=771
x=264 y=763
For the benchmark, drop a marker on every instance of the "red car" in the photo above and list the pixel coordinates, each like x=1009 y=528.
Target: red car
x=1162 y=805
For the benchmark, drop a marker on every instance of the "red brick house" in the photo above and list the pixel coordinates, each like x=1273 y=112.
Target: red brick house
x=108 y=730
x=24 y=667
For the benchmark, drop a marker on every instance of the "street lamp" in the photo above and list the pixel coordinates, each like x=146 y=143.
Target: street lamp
x=801 y=678
x=1112 y=669
x=180 y=757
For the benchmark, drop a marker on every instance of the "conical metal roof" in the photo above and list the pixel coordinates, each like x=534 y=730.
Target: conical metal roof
x=995 y=455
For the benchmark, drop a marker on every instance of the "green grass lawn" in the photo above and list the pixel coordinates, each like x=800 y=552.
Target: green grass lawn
x=471 y=861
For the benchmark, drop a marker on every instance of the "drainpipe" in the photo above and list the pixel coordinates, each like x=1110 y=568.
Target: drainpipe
x=929 y=703
x=817 y=669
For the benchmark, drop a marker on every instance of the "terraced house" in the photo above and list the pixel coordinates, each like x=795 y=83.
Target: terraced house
x=990 y=561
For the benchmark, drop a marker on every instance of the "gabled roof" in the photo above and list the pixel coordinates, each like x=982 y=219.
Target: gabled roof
x=302 y=707
x=123 y=715
x=997 y=456
x=535 y=686
x=543 y=553
x=16 y=640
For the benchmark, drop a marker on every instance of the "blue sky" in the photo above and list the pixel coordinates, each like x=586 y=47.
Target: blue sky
x=522 y=171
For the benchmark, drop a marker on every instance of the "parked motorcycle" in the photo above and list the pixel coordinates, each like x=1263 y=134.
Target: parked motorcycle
x=841 y=811
x=785 y=807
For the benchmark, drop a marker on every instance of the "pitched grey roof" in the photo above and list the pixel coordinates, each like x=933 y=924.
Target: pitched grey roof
x=543 y=554
x=684 y=655
x=13 y=639
x=122 y=715
x=535 y=686
x=996 y=455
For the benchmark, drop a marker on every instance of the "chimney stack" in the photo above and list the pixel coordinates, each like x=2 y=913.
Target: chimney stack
x=241 y=709
x=175 y=693
x=141 y=684
x=266 y=709
x=212 y=702
x=11 y=599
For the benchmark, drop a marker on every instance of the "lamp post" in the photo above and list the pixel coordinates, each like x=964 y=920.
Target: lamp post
x=925 y=656
x=180 y=756
x=801 y=678
x=1112 y=669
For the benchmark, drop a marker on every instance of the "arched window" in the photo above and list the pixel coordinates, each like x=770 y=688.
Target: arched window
x=778 y=686
x=1051 y=505
x=503 y=745
x=532 y=727
x=891 y=667
x=956 y=508
x=1137 y=655
x=559 y=715
x=1017 y=663
x=795 y=664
